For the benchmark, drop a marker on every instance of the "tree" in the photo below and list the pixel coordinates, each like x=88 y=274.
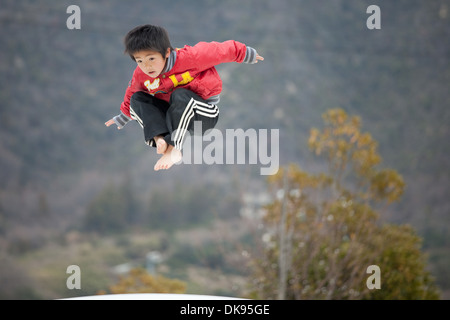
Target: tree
x=140 y=281
x=191 y=206
x=323 y=230
x=113 y=209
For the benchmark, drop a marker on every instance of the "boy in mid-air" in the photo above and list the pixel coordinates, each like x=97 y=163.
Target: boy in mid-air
x=172 y=88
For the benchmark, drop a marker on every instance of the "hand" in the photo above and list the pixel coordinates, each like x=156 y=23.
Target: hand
x=111 y=122
x=259 y=58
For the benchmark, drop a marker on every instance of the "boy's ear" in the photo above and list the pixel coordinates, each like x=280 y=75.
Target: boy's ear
x=167 y=53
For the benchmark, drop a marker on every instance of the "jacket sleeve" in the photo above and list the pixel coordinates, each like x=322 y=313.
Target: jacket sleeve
x=210 y=54
x=133 y=86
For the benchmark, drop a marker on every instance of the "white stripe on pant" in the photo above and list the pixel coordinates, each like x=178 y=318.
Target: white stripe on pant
x=192 y=108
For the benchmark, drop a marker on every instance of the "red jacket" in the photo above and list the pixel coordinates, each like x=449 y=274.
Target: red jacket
x=193 y=69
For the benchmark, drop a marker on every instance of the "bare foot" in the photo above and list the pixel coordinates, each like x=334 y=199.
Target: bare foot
x=161 y=145
x=168 y=159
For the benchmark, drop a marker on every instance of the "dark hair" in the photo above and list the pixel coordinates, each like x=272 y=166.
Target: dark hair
x=147 y=37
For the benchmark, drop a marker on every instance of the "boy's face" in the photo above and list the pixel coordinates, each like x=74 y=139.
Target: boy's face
x=152 y=63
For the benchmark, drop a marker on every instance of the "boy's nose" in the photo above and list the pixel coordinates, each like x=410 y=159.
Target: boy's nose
x=147 y=68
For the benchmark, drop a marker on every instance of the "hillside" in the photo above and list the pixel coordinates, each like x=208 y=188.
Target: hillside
x=59 y=86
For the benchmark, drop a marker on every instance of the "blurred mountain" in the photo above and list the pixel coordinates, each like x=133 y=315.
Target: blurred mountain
x=59 y=86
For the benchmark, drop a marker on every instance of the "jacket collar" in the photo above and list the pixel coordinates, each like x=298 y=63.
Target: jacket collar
x=170 y=61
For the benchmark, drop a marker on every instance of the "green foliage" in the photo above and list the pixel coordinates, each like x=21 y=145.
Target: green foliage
x=113 y=209
x=403 y=266
x=139 y=281
x=324 y=231
x=187 y=206
x=352 y=155
x=207 y=256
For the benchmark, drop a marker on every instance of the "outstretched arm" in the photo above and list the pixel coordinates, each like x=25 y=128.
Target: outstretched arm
x=205 y=55
x=120 y=120
x=251 y=56
x=124 y=117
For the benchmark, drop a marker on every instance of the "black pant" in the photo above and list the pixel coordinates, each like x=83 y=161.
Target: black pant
x=172 y=120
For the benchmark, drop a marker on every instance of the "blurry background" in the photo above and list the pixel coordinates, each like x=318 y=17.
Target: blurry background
x=75 y=192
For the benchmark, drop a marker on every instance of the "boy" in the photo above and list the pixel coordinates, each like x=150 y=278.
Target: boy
x=170 y=89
